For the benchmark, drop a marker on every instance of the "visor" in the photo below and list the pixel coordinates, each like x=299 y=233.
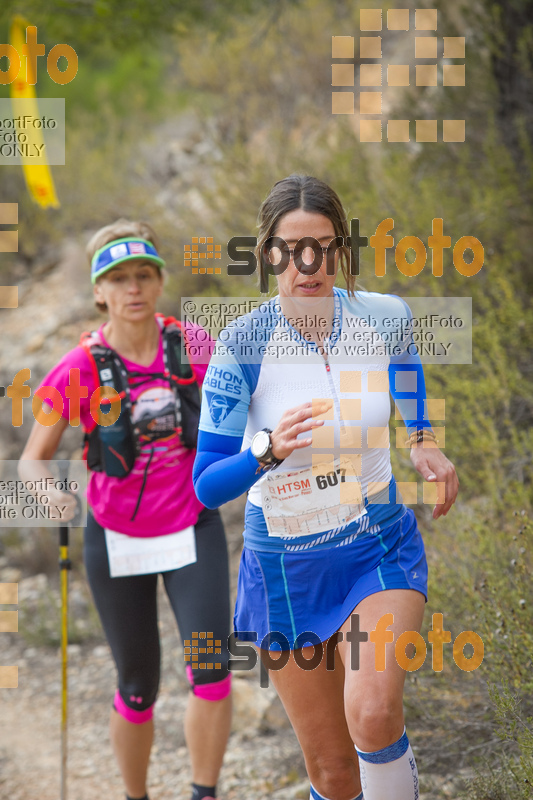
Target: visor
x=120 y=250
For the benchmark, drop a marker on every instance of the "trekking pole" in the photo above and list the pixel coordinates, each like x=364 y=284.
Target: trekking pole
x=64 y=566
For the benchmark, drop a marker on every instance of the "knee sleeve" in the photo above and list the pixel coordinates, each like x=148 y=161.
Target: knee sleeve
x=217 y=689
x=134 y=708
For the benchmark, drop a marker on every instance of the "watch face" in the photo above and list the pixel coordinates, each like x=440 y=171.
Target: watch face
x=260 y=444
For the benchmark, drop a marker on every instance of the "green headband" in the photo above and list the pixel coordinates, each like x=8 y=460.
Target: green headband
x=120 y=250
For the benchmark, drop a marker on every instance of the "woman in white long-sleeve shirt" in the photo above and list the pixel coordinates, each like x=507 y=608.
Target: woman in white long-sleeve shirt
x=295 y=410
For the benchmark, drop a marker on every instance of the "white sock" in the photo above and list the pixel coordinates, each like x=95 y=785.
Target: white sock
x=391 y=773
x=317 y=796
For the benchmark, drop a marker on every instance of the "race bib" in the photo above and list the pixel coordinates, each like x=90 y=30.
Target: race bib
x=312 y=500
x=132 y=555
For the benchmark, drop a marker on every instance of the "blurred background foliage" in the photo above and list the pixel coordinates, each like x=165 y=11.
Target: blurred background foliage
x=185 y=113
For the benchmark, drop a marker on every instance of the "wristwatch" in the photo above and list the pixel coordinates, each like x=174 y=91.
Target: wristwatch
x=261 y=448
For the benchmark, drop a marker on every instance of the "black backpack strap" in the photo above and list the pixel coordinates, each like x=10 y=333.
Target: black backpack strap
x=181 y=373
x=110 y=448
x=175 y=353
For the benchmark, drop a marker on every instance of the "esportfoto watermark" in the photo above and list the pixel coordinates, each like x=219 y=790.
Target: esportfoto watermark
x=437 y=64
x=32 y=51
x=278 y=254
x=440 y=330
x=308 y=651
x=31 y=493
x=103 y=397
x=9 y=623
x=30 y=137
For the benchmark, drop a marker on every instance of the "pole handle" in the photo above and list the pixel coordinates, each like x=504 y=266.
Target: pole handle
x=63 y=529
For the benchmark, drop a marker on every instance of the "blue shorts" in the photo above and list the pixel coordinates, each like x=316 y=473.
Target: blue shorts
x=294 y=593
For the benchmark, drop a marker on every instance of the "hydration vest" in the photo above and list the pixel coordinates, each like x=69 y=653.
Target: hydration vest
x=113 y=448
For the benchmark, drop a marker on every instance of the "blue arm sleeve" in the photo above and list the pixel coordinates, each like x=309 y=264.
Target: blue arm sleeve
x=221 y=472
x=406 y=381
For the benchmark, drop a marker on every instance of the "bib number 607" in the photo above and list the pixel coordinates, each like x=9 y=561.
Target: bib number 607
x=331 y=478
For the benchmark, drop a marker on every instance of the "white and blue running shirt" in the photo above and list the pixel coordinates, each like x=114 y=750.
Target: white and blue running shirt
x=342 y=485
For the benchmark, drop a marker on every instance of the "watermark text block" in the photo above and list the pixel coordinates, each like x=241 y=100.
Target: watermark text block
x=454 y=47
x=370 y=102
x=342 y=46
x=398 y=130
x=9 y=621
x=425 y=47
x=426 y=130
x=370 y=75
x=453 y=130
x=406 y=492
x=9 y=213
x=426 y=19
x=370 y=130
x=342 y=75
x=426 y=74
x=398 y=75
x=9 y=296
x=370 y=46
x=398 y=19
x=370 y=19
x=453 y=75
x=342 y=103
x=9 y=241
x=9 y=677
x=9 y=593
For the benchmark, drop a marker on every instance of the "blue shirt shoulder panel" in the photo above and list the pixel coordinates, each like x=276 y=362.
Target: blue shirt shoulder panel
x=233 y=371
x=387 y=314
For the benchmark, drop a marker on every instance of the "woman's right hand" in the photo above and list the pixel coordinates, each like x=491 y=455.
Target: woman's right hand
x=65 y=503
x=40 y=448
x=295 y=421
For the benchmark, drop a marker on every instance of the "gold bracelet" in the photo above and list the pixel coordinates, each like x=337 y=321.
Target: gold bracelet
x=422 y=435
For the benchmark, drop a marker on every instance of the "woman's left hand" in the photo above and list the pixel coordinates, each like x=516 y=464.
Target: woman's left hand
x=434 y=467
